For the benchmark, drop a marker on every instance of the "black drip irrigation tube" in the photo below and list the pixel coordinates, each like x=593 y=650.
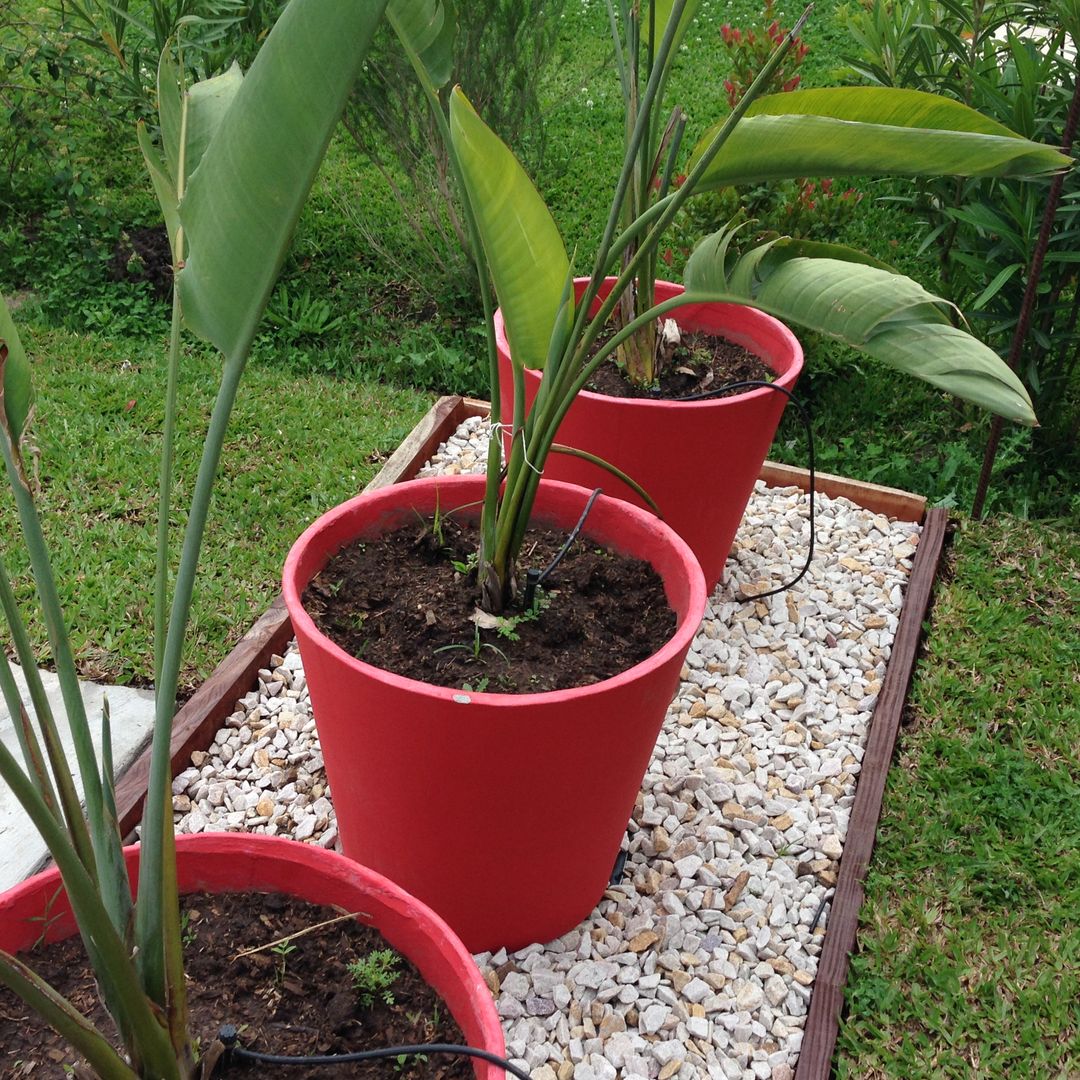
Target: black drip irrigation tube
x=754 y=384
x=234 y=1053
x=534 y=578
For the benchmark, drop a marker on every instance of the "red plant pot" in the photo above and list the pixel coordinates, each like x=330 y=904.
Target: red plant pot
x=245 y=862
x=503 y=812
x=697 y=459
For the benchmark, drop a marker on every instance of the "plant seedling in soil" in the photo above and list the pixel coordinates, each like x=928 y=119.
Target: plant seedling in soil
x=373 y=976
x=281 y=951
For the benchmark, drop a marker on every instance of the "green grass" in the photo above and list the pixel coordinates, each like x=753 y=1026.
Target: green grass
x=968 y=960
x=298 y=445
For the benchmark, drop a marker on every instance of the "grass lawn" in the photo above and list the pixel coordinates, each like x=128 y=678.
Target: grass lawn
x=968 y=961
x=298 y=445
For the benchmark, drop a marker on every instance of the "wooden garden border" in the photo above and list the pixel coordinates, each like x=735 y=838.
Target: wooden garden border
x=197 y=722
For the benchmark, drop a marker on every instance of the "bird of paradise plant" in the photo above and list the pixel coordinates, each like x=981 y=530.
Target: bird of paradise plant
x=239 y=156
x=828 y=288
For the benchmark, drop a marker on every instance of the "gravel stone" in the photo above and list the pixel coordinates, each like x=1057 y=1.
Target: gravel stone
x=736 y=833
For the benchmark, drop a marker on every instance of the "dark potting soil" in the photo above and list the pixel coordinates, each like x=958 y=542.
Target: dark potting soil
x=404 y=604
x=299 y=999
x=700 y=363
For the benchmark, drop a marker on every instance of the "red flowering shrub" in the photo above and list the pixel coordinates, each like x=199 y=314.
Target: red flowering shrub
x=749 y=49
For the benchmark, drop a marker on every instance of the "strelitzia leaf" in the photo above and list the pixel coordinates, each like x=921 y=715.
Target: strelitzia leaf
x=207 y=103
x=873 y=309
x=869 y=131
x=524 y=250
x=662 y=10
x=243 y=199
x=426 y=27
x=16 y=388
x=164 y=188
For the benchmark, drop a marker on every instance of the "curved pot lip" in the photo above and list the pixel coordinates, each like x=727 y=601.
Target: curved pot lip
x=787 y=379
x=678 y=643
x=308 y=857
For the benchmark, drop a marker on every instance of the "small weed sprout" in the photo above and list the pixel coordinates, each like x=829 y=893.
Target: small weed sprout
x=282 y=950
x=374 y=975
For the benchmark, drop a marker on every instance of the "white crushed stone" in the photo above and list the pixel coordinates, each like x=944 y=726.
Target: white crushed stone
x=701 y=962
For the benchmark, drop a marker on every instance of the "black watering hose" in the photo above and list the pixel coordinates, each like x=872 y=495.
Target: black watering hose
x=749 y=384
x=535 y=578
x=233 y=1052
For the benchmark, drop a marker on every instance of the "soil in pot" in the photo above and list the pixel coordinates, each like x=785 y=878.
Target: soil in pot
x=298 y=998
x=406 y=603
x=699 y=363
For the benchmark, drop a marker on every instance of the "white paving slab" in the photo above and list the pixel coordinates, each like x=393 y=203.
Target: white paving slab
x=132 y=711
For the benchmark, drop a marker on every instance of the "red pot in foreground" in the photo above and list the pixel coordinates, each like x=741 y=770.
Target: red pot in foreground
x=697 y=459
x=504 y=812
x=244 y=862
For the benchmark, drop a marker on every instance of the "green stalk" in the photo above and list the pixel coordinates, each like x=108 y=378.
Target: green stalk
x=677 y=198
x=154 y=895
x=62 y=658
x=112 y=963
x=168 y=435
x=626 y=174
x=28 y=743
x=64 y=1018
x=168 y=439
x=106 y=866
x=68 y=797
x=490 y=509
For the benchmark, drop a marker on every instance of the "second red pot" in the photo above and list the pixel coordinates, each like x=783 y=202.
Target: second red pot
x=697 y=459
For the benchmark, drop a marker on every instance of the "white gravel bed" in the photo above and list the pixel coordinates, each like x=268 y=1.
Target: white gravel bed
x=701 y=962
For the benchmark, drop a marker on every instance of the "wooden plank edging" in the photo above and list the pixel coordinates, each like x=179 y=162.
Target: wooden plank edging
x=823 y=1021
x=198 y=720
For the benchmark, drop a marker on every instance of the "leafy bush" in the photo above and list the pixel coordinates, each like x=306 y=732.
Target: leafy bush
x=803 y=209
x=984 y=231
x=501 y=49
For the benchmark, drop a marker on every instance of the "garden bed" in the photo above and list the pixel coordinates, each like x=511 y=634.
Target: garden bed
x=709 y=956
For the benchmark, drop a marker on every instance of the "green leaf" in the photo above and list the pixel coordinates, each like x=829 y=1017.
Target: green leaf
x=242 y=201
x=164 y=187
x=426 y=27
x=63 y=1017
x=170 y=107
x=869 y=131
x=877 y=311
x=521 y=242
x=663 y=9
x=207 y=102
x=16 y=390
x=1001 y=279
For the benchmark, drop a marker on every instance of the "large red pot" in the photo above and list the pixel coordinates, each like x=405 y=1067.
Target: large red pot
x=503 y=812
x=697 y=459
x=245 y=862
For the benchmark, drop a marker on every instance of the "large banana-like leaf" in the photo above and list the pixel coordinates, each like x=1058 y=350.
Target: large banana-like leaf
x=243 y=199
x=427 y=28
x=16 y=391
x=879 y=312
x=869 y=131
x=524 y=250
x=198 y=117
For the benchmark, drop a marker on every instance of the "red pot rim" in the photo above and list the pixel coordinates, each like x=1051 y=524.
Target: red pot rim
x=786 y=378
x=680 y=640
x=303 y=863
